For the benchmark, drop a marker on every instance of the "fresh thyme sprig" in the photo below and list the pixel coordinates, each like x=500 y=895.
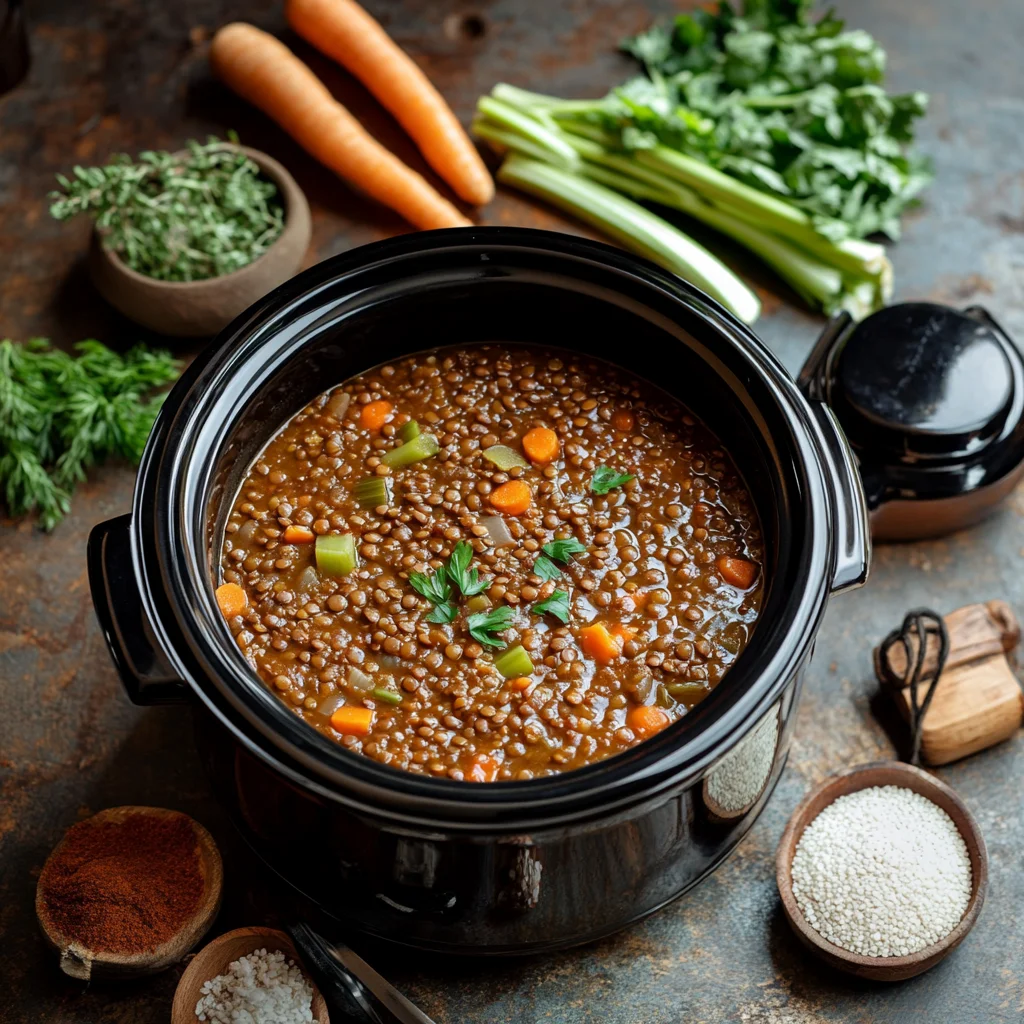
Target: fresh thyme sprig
x=60 y=414
x=178 y=218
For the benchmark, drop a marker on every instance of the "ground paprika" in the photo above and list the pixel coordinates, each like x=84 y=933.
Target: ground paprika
x=123 y=887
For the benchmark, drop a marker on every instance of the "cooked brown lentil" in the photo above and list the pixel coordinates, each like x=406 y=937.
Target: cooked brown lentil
x=661 y=578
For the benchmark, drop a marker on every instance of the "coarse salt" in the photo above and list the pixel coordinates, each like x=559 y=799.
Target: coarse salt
x=261 y=988
x=882 y=872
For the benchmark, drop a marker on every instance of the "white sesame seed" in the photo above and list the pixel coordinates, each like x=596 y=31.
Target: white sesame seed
x=882 y=872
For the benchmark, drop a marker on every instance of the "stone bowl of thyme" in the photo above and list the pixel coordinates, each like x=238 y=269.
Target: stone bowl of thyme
x=186 y=241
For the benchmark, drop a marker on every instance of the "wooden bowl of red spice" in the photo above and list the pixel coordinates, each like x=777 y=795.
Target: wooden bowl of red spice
x=129 y=892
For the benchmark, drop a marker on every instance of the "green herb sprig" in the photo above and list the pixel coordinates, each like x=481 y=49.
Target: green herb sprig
x=605 y=479
x=60 y=414
x=459 y=572
x=556 y=551
x=178 y=218
x=434 y=586
x=557 y=605
x=484 y=625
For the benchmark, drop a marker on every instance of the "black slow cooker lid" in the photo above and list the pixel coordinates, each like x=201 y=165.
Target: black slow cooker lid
x=931 y=398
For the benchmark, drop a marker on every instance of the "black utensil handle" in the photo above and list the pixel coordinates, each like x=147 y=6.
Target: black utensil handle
x=851 y=526
x=145 y=672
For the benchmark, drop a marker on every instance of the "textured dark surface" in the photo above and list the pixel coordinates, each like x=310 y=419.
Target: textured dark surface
x=130 y=74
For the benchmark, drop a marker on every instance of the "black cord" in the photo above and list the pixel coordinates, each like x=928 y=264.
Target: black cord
x=921 y=623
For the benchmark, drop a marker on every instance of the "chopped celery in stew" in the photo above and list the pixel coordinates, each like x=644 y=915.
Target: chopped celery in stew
x=492 y=563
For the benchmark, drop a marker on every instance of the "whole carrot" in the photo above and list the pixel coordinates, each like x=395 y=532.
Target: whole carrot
x=344 y=31
x=265 y=72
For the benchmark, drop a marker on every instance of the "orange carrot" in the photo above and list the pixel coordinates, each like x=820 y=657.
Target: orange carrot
x=600 y=644
x=484 y=769
x=737 y=572
x=298 y=535
x=375 y=414
x=623 y=419
x=513 y=498
x=541 y=445
x=352 y=721
x=344 y=31
x=522 y=683
x=265 y=72
x=646 y=719
x=231 y=600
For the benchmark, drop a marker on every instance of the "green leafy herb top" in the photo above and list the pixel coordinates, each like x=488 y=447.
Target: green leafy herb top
x=178 y=218
x=437 y=590
x=789 y=105
x=557 y=605
x=60 y=414
x=459 y=572
x=556 y=551
x=483 y=626
x=605 y=479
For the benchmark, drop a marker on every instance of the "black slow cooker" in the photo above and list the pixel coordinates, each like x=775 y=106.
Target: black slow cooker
x=502 y=867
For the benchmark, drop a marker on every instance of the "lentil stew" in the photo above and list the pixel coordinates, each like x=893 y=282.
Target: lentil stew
x=492 y=562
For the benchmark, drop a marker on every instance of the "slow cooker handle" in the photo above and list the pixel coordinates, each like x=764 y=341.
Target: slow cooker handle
x=144 y=671
x=852 y=527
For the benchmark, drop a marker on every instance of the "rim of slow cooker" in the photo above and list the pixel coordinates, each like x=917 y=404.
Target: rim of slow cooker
x=201 y=650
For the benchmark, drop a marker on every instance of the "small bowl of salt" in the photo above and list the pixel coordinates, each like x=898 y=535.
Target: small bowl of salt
x=248 y=974
x=882 y=871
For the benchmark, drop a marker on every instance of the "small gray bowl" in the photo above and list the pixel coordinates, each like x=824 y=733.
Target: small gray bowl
x=192 y=309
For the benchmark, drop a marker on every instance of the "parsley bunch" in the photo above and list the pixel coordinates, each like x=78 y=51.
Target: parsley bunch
x=178 y=218
x=791 y=106
x=60 y=414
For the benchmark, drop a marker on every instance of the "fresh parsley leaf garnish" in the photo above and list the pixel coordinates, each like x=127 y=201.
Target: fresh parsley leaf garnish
x=484 y=625
x=459 y=572
x=546 y=569
x=557 y=604
x=605 y=478
x=443 y=613
x=433 y=586
x=563 y=550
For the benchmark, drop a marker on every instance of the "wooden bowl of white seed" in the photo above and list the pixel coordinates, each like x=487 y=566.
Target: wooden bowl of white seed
x=248 y=974
x=882 y=871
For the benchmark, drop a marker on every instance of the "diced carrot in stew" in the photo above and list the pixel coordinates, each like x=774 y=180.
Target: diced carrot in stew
x=623 y=419
x=541 y=445
x=600 y=644
x=737 y=572
x=624 y=633
x=513 y=498
x=375 y=414
x=522 y=683
x=484 y=769
x=352 y=721
x=298 y=535
x=646 y=720
x=231 y=600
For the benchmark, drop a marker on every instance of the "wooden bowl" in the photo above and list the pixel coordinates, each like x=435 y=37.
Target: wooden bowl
x=191 y=309
x=78 y=961
x=881 y=773
x=213 y=960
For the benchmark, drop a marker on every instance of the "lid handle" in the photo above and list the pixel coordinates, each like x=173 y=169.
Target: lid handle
x=851 y=527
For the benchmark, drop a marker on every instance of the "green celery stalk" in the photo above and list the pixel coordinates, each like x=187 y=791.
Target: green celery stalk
x=818 y=283
x=635 y=227
x=509 y=117
x=514 y=662
x=503 y=139
x=852 y=255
